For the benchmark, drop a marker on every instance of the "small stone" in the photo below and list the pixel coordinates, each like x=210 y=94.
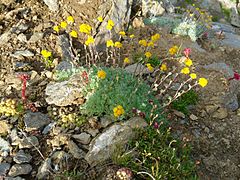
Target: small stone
x=137 y=69
x=53 y=5
x=45 y=169
x=4 y=146
x=48 y=128
x=238 y=112
x=35 y=120
x=25 y=53
x=221 y=113
x=105 y=121
x=75 y=150
x=211 y=108
x=22 y=157
x=59 y=140
x=22 y=37
x=20 y=169
x=4 y=128
x=4 y=38
x=93 y=132
x=49 y=74
x=179 y=114
x=36 y=37
x=83 y=138
x=193 y=117
x=4 y=167
x=28 y=142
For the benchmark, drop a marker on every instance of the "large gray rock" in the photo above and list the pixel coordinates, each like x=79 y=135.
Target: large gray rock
x=53 y=5
x=213 y=6
x=231 y=40
x=65 y=45
x=117 y=10
x=103 y=146
x=221 y=67
x=20 y=169
x=66 y=92
x=235 y=17
x=35 y=120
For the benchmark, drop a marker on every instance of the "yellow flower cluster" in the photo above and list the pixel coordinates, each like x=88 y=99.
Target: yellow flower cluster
x=202 y=82
x=193 y=75
x=122 y=33
x=148 y=54
x=46 y=54
x=150 y=68
x=70 y=118
x=110 y=43
x=150 y=44
x=70 y=20
x=73 y=34
x=188 y=62
x=143 y=42
x=118 y=111
x=132 y=36
x=100 y=19
x=8 y=108
x=56 y=28
x=63 y=25
x=101 y=74
x=173 y=50
x=126 y=61
x=90 y=40
x=85 y=28
x=163 y=67
x=185 y=70
x=118 y=44
x=110 y=25
x=155 y=37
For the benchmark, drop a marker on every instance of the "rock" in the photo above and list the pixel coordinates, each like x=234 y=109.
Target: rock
x=21 y=66
x=179 y=114
x=216 y=27
x=137 y=69
x=20 y=27
x=83 y=138
x=22 y=157
x=4 y=127
x=221 y=113
x=35 y=120
x=4 y=38
x=193 y=117
x=64 y=65
x=66 y=92
x=105 y=121
x=25 y=53
x=75 y=150
x=22 y=37
x=36 y=37
x=28 y=142
x=213 y=7
x=221 y=67
x=61 y=160
x=48 y=128
x=231 y=40
x=154 y=8
x=117 y=10
x=58 y=140
x=138 y=22
x=4 y=167
x=14 y=178
x=20 y=169
x=102 y=147
x=230 y=102
x=238 y=112
x=53 y=5
x=211 y=108
x=64 y=43
x=235 y=17
x=92 y=131
x=45 y=169
x=5 y=147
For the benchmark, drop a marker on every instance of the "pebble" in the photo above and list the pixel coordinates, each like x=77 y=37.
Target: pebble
x=36 y=37
x=24 y=53
x=22 y=157
x=20 y=169
x=4 y=127
x=193 y=117
x=28 y=142
x=4 y=167
x=53 y=5
x=221 y=113
x=83 y=138
x=75 y=150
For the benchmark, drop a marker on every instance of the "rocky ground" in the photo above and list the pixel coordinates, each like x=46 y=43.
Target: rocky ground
x=40 y=148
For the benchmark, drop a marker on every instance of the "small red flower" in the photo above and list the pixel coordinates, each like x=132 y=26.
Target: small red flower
x=24 y=78
x=236 y=76
x=187 y=52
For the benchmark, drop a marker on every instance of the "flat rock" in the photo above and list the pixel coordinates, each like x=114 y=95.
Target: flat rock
x=28 y=142
x=83 y=138
x=105 y=121
x=53 y=5
x=20 y=169
x=235 y=17
x=231 y=40
x=4 y=127
x=36 y=37
x=4 y=145
x=221 y=113
x=137 y=69
x=35 y=120
x=75 y=150
x=22 y=157
x=221 y=67
x=4 y=167
x=45 y=169
x=102 y=147
x=64 y=43
x=24 y=53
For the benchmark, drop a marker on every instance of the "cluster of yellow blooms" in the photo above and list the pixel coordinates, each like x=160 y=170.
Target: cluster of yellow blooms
x=70 y=118
x=8 y=108
x=46 y=54
x=118 y=111
x=173 y=50
x=150 y=68
x=101 y=74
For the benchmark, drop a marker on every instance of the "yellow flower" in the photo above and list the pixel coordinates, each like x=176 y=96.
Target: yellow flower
x=193 y=75
x=89 y=41
x=110 y=22
x=122 y=33
x=110 y=43
x=56 y=28
x=151 y=43
x=101 y=74
x=185 y=70
x=109 y=27
x=118 y=44
x=73 y=34
x=188 y=62
x=148 y=54
x=155 y=37
x=70 y=20
x=126 y=61
x=163 y=67
x=118 y=111
x=100 y=19
x=63 y=25
x=149 y=66
x=173 y=50
x=202 y=82
x=143 y=42
x=85 y=28
x=132 y=36
x=46 y=54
